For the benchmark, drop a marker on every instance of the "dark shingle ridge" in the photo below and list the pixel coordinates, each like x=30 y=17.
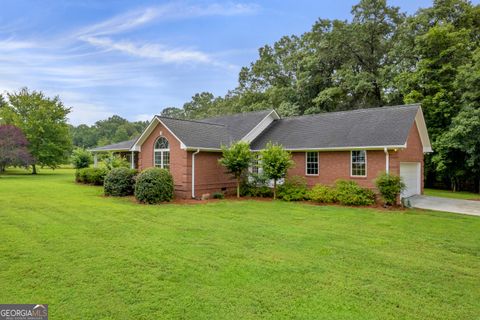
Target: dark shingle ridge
x=189 y=120
x=352 y=111
x=238 y=114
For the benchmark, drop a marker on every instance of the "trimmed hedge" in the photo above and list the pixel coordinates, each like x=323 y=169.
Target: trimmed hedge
x=93 y=176
x=293 y=189
x=120 y=182
x=351 y=194
x=323 y=194
x=154 y=185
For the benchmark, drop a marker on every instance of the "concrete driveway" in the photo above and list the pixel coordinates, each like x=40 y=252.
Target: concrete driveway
x=444 y=204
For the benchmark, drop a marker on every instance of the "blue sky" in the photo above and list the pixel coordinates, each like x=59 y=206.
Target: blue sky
x=134 y=58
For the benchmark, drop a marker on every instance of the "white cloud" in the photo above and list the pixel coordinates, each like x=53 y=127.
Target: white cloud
x=143 y=117
x=11 y=45
x=155 y=51
x=170 y=11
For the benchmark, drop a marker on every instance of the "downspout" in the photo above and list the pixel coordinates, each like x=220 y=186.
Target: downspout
x=387 y=160
x=193 y=172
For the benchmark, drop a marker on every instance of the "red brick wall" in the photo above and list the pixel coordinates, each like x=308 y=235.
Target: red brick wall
x=178 y=159
x=335 y=165
x=210 y=176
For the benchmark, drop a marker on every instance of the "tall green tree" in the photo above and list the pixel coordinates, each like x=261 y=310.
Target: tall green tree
x=275 y=161
x=43 y=120
x=236 y=159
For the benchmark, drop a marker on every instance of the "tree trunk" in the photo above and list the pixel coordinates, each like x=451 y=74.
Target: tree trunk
x=34 y=169
x=274 y=189
x=238 y=187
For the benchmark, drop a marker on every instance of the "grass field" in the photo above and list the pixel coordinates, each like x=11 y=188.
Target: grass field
x=454 y=195
x=91 y=257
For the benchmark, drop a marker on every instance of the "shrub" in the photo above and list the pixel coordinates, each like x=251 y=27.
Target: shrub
x=81 y=158
x=293 y=189
x=256 y=185
x=120 y=182
x=390 y=186
x=115 y=161
x=218 y=195
x=93 y=176
x=323 y=194
x=154 y=185
x=351 y=194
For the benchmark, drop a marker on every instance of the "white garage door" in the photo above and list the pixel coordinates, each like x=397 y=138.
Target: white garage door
x=410 y=172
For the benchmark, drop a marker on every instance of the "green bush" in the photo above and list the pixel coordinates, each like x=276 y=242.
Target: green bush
x=218 y=195
x=323 y=194
x=293 y=189
x=81 y=158
x=256 y=185
x=93 y=176
x=120 y=182
x=112 y=161
x=154 y=185
x=390 y=186
x=351 y=194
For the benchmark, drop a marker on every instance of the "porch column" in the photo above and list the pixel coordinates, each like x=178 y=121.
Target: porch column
x=95 y=160
x=132 y=164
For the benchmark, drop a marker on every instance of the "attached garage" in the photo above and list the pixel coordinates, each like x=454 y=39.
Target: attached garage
x=411 y=174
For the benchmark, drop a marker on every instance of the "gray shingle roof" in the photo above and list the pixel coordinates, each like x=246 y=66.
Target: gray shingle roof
x=198 y=134
x=120 y=146
x=238 y=125
x=385 y=126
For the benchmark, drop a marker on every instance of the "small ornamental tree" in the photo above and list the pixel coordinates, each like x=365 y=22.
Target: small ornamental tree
x=13 y=148
x=236 y=159
x=275 y=163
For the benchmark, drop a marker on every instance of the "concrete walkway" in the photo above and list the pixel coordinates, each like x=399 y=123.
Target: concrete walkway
x=444 y=204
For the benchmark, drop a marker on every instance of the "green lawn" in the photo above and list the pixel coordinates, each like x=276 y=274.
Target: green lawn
x=91 y=257
x=450 y=194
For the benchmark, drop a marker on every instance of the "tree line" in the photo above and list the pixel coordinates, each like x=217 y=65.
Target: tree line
x=112 y=130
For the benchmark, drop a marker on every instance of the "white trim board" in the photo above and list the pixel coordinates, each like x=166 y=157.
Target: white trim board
x=261 y=126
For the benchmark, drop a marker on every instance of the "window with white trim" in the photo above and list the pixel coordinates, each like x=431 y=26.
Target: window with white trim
x=161 y=151
x=359 y=163
x=311 y=167
x=255 y=165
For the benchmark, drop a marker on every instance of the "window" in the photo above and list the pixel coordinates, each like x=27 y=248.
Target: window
x=359 y=163
x=312 y=163
x=161 y=151
x=255 y=166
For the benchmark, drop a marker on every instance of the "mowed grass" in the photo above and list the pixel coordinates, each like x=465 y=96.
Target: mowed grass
x=91 y=257
x=464 y=195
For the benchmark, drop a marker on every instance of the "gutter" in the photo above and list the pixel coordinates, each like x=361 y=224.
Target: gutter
x=193 y=172
x=387 y=160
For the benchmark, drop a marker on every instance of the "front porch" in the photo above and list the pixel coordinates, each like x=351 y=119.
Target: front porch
x=122 y=149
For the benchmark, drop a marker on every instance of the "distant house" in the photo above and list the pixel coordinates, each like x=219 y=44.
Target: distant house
x=355 y=145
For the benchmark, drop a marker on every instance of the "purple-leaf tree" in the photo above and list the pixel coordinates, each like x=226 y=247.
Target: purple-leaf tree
x=13 y=148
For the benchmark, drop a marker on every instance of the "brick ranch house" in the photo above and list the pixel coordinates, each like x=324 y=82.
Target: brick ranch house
x=355 y=145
